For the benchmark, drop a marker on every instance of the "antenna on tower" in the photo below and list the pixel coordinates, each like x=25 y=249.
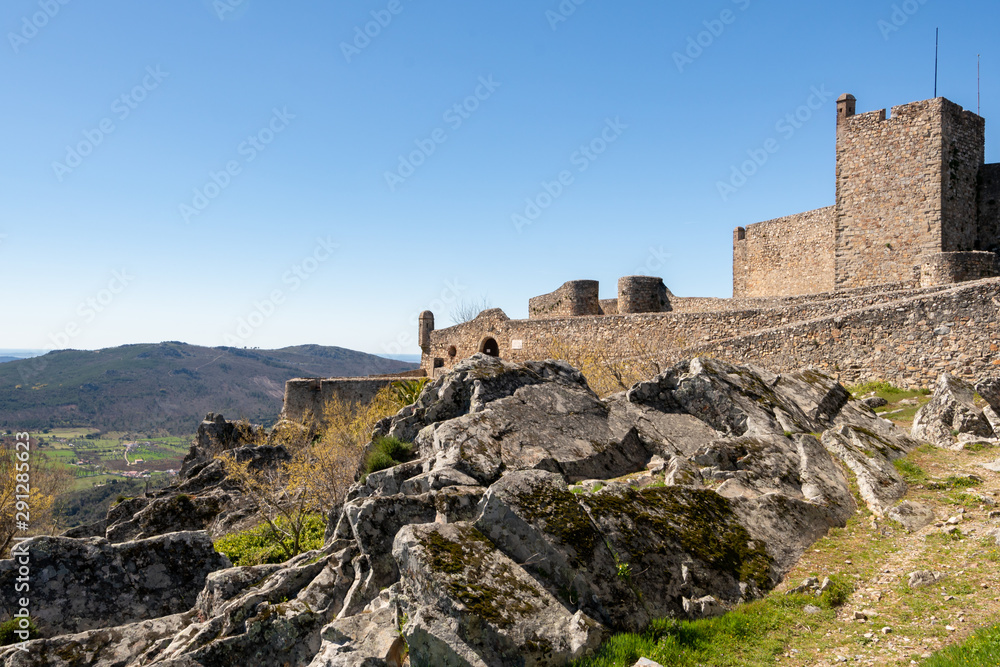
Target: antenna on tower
x=937 y=42
x=979 y=84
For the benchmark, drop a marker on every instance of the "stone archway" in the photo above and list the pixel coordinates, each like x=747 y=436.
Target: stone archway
x=489 y=346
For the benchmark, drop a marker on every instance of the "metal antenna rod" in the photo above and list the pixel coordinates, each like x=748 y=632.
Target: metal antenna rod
x=979 y=84
x=937 y=42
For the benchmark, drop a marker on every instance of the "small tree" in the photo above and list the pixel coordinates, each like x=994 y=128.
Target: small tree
x=606 y=373
x=466 y=311
x=44 y=480
x=325 y=459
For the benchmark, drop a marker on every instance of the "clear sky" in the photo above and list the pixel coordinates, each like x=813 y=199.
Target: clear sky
x=267 y=174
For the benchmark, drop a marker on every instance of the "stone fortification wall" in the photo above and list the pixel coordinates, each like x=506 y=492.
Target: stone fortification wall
x=573 y=299
x=683 y=304
x=791 y=255
x=889 y=192
x=963 y=155
x=909 y=342
x=642 y=294
x=989 y=207
x=305 y=397
x=628 y=335
x=947 y=268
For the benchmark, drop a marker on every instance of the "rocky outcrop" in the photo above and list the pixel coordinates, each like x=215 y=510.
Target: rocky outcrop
x=468 y=604
x=951 y=412
x=79 y=585
x=534 y=519
x=202 y=498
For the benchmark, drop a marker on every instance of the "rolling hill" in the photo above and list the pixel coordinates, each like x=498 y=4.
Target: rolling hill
x=166 y=387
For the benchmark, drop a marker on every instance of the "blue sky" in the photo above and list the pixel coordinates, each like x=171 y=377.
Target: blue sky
x=264 y=174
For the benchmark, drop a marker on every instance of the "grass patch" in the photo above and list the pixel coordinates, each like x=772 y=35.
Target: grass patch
x=980 y=650
x=751 y=635
x=878 y=388
x=259 y=545
x=387 y=453
x=953 y=482
x=910 y=471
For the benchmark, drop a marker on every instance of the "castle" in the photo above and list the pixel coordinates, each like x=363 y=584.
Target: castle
x=897 y=280
x=915 y=204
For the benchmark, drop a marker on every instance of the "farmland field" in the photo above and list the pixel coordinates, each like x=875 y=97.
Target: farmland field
x=94 y=458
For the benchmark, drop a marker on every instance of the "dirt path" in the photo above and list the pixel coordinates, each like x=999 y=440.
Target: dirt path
x=899 y=625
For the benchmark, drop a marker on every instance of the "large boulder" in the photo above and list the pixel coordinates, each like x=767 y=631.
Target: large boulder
x=79 y=585
x=869 y=456
x=951 y=411
x=468 y=604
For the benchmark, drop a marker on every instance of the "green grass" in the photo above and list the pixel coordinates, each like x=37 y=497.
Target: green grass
x=910 y=471
x=980 y=650
x=259 y=545
x=878 y=388
x=752 y=635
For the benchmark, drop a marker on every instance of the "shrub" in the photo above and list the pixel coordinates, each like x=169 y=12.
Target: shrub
x=407 y=392
x=7 y=628
x=837 y=592
x=387 y=453
x=260 y=545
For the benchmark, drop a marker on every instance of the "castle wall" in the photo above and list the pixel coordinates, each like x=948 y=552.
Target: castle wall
x=626 y=335
x=575 y=298
x=964 y=151
x=908 y=342
x=908 y=339
x=889 y=193
x=989 y=207
x=948 y=268
x=305 y=397
x=791 y=255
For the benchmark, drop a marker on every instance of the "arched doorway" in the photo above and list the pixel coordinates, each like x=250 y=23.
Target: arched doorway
x=490 y=347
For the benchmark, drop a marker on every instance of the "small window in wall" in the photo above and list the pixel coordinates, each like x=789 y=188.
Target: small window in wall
x=490 y=347
x=452 y=351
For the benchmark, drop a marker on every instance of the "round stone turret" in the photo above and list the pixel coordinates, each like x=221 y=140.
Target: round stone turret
x=847 y=106
x=642 y=294
x=426 y=327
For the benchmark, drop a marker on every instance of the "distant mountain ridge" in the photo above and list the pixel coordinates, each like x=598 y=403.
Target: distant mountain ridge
x=166 y=386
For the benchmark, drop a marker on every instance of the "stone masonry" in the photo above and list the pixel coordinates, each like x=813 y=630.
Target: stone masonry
x=909 y=187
